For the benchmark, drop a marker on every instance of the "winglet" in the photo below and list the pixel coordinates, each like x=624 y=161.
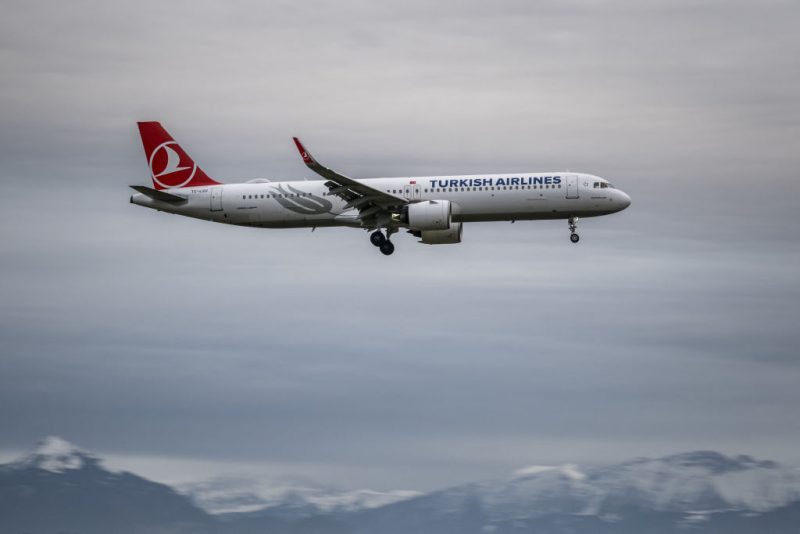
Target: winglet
x=308 y=159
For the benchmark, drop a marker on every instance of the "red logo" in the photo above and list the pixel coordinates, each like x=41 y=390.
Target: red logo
x=171 y=166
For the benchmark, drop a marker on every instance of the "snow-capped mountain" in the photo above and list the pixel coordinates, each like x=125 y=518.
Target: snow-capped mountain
x=698 y=489
x=60 y=488
x=701 y=490
x=693 y=481
x=232 y=495
x=56 y=455
x=681 y=483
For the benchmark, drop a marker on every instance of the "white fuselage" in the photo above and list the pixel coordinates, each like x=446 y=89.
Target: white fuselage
x=497 y=197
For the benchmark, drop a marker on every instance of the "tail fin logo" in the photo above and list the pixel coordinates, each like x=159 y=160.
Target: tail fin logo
x=171 y=166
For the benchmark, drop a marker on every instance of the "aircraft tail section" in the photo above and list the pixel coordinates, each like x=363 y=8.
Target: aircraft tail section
x=170 y=165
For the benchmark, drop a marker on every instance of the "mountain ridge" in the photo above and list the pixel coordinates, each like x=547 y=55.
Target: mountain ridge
x=58 y=487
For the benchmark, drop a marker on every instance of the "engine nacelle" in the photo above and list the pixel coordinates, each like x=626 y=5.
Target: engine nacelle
x=429 y=215
x=442 y=237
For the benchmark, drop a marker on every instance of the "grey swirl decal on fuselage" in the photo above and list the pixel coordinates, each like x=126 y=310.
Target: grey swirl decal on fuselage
x=300 y=202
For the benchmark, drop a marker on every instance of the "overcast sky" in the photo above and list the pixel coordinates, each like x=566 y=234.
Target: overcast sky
x=185 y=350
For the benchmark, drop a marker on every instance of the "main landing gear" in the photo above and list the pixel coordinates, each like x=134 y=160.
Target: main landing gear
x=382 y=242
x=573 y=225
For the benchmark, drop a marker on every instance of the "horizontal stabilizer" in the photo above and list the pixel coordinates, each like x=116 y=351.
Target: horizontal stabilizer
x=155 y=194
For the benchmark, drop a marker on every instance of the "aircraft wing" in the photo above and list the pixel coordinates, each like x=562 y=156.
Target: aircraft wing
x=368 y=200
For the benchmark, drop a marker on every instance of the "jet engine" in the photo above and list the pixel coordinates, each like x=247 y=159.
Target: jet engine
x=429 y=215
x=442 y=237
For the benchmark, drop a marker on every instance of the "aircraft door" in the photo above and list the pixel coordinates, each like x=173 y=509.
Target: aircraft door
x=572 y=186
x=216 y=198
x=413 y=192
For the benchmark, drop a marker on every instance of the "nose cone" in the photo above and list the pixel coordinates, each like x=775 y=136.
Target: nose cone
x=624 y=200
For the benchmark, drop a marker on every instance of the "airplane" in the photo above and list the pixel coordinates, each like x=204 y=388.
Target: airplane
x=431 y=208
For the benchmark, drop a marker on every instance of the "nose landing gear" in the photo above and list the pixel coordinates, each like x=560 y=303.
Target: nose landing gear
x=382 y=242
x=573 y=225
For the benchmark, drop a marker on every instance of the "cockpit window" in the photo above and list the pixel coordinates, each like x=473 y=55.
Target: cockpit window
x=596 y=185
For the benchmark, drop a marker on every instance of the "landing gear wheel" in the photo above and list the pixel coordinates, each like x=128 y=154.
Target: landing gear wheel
x=387 y=248
x=377 y=238
x=573 y=225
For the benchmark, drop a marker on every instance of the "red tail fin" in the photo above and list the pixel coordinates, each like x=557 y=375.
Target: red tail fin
x=170 y=165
